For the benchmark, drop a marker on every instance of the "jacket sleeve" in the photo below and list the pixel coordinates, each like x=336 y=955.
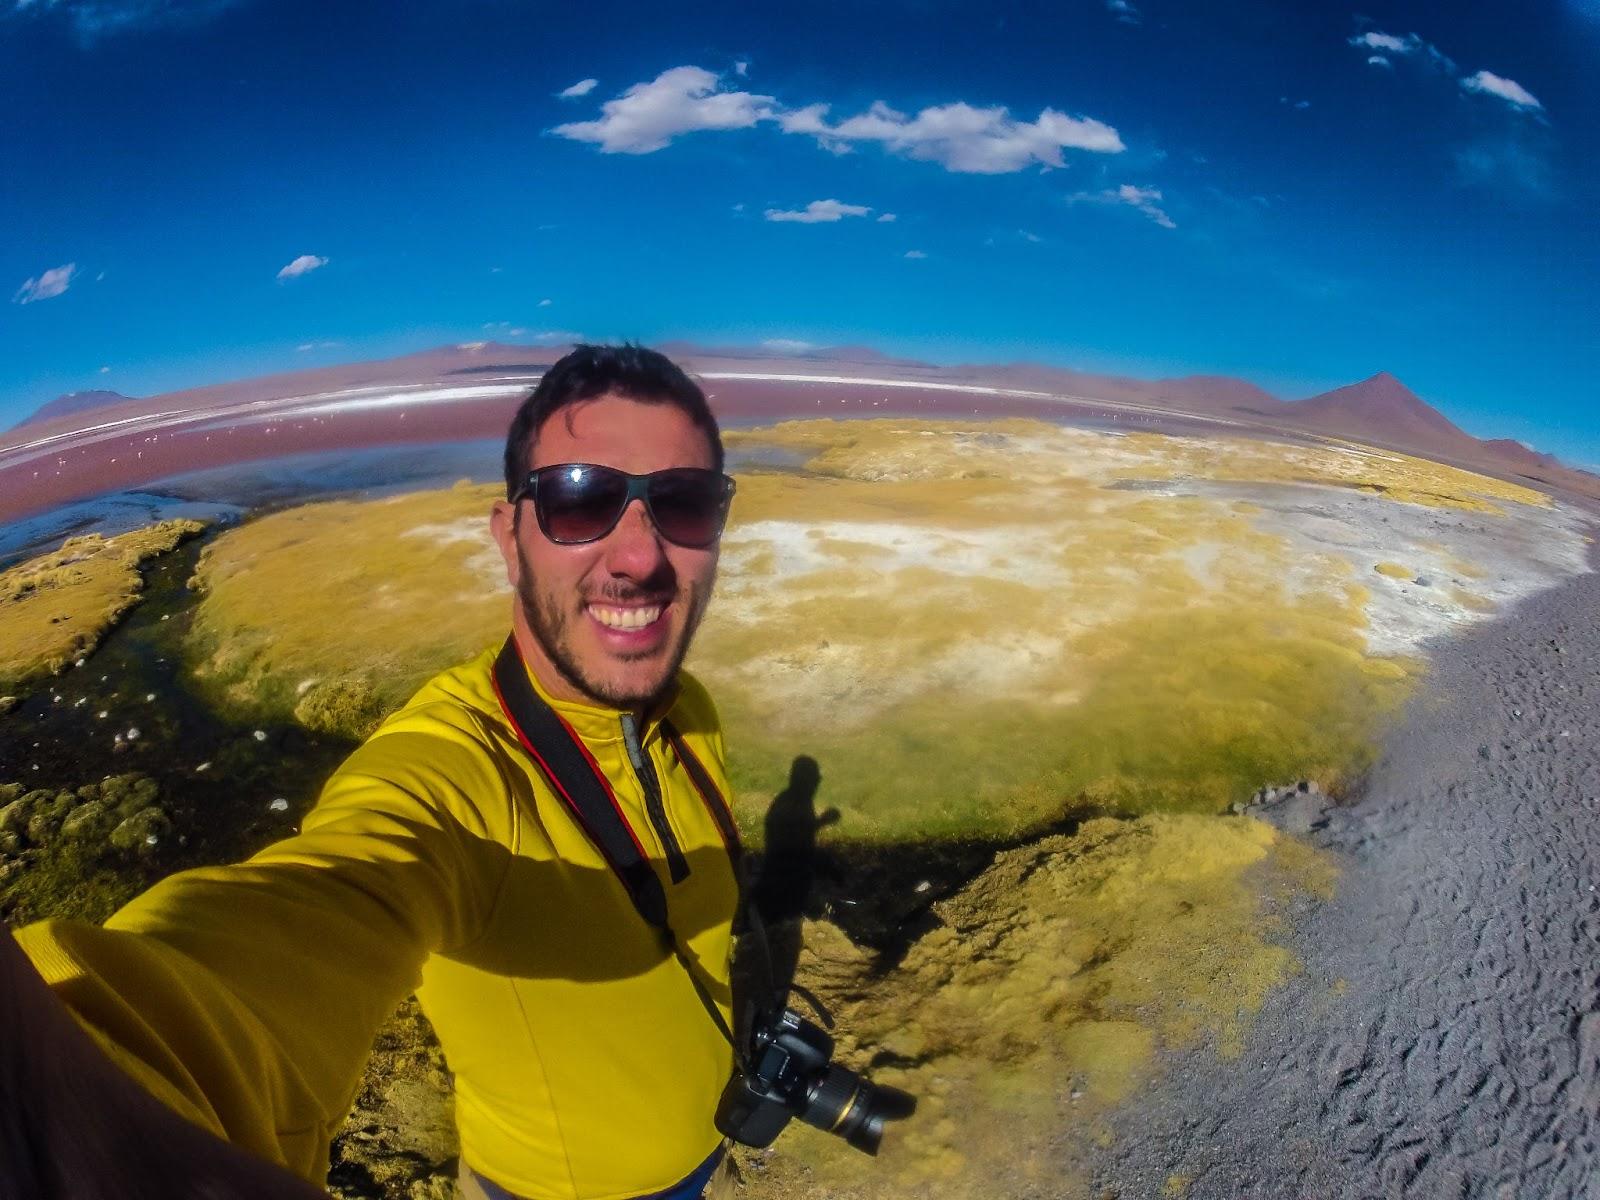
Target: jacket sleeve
x=247 y=997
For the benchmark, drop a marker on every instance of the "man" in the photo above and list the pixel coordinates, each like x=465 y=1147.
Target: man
x=441 y=858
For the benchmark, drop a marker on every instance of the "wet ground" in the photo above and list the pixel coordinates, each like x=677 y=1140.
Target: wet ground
x=129 y=709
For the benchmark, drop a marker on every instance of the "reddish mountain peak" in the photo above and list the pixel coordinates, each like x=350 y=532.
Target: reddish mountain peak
x=72 y=404
x=1381 y=406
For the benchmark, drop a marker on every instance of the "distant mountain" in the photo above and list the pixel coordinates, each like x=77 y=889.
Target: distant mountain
x=1379 y=411
x=73 y=404
x=1383 y=409
x=1222 y=395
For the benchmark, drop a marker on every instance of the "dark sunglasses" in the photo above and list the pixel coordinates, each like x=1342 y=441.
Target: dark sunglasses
x=581 y=502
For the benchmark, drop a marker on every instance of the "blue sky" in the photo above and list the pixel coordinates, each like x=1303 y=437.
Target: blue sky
x=1301 y=194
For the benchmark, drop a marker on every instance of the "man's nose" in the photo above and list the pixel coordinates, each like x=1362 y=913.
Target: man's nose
x=634 y=548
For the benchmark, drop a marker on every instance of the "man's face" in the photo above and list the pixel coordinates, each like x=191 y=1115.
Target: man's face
x=579 y=608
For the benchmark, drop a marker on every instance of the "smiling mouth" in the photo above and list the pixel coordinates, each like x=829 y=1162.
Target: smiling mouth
x=613 y=617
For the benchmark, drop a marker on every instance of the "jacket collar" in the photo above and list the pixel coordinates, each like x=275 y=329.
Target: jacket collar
x=599 y=723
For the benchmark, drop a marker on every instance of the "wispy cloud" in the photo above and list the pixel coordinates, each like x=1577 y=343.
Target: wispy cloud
x=1509 y=90
x=1388 y=46
x=648 y=116
x=818 y=211
x=92 y=20
x=1124 y=11
x=887 y=219
x=306 y=347
x=582 y=88
x=1297 y=105
x=1143 y=199
x=787 y=345
x=46 y=286
x=546 y=302
x=915 y=254
x=303 y=265
x=1383 y=46
x=959 y=137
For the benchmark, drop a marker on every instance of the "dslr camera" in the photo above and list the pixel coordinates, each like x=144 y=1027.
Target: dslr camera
x=790 y=1075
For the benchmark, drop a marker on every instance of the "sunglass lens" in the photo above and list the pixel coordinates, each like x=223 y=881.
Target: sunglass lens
x=688 y=506
x=580 y=503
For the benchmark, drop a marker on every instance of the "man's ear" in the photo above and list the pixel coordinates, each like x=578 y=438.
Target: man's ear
x=503 y=527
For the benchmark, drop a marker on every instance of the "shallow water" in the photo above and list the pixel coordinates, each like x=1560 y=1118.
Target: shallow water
x=217 y=777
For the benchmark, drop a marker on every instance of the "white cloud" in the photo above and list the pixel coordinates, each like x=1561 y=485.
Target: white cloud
x=1509 y=90
x=1029 y=237
x=546 y=302
x=582 y=88
x=961 y=138
x=105 y=370
x=1409 y=46
x=647 y=116
x=46 y=286
x=787 y=345
x=915 y=254
x=1145 y=199
x=1123 y=11
x=818 y=211
x=1383 y=41
x=554 y=337
x=1378 y=60
x=303 y=265
x=303 y=347
x=887 y=219
x=1298 y=105
x=741 y=69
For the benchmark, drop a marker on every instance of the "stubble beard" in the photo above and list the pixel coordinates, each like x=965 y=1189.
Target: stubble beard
x=549 y=620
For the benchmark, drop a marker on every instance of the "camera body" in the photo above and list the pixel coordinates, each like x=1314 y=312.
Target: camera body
x=791 y=1075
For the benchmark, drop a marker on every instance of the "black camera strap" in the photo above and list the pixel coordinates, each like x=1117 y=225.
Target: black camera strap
x=583 y=788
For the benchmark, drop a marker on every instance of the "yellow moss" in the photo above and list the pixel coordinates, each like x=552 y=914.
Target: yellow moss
x=1177 y=1185
x=56 y=607
x=1394 y=570
x=1472 y=601
x=1044 y=996
x=403 y=587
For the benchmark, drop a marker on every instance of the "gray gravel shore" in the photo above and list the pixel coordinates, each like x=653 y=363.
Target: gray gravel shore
x=1444 y=1039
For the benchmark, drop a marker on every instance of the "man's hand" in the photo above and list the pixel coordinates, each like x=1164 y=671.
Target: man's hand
x=75 y=1126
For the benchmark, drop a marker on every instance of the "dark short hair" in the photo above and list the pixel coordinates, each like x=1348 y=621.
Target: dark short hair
x=589 y=372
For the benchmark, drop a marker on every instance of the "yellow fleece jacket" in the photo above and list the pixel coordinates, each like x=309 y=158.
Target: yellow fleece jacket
x=439 y=860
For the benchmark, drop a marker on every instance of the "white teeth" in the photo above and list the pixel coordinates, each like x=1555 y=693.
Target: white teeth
x=625 y=618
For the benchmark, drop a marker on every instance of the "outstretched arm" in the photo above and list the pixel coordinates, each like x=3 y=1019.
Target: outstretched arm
x=247 y=997
x=74 y=1124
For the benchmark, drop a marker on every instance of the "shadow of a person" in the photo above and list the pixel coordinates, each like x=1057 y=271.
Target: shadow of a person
x=781 y=891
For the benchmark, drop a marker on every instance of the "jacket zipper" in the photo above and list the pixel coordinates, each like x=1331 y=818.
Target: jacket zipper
x=677 y=866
